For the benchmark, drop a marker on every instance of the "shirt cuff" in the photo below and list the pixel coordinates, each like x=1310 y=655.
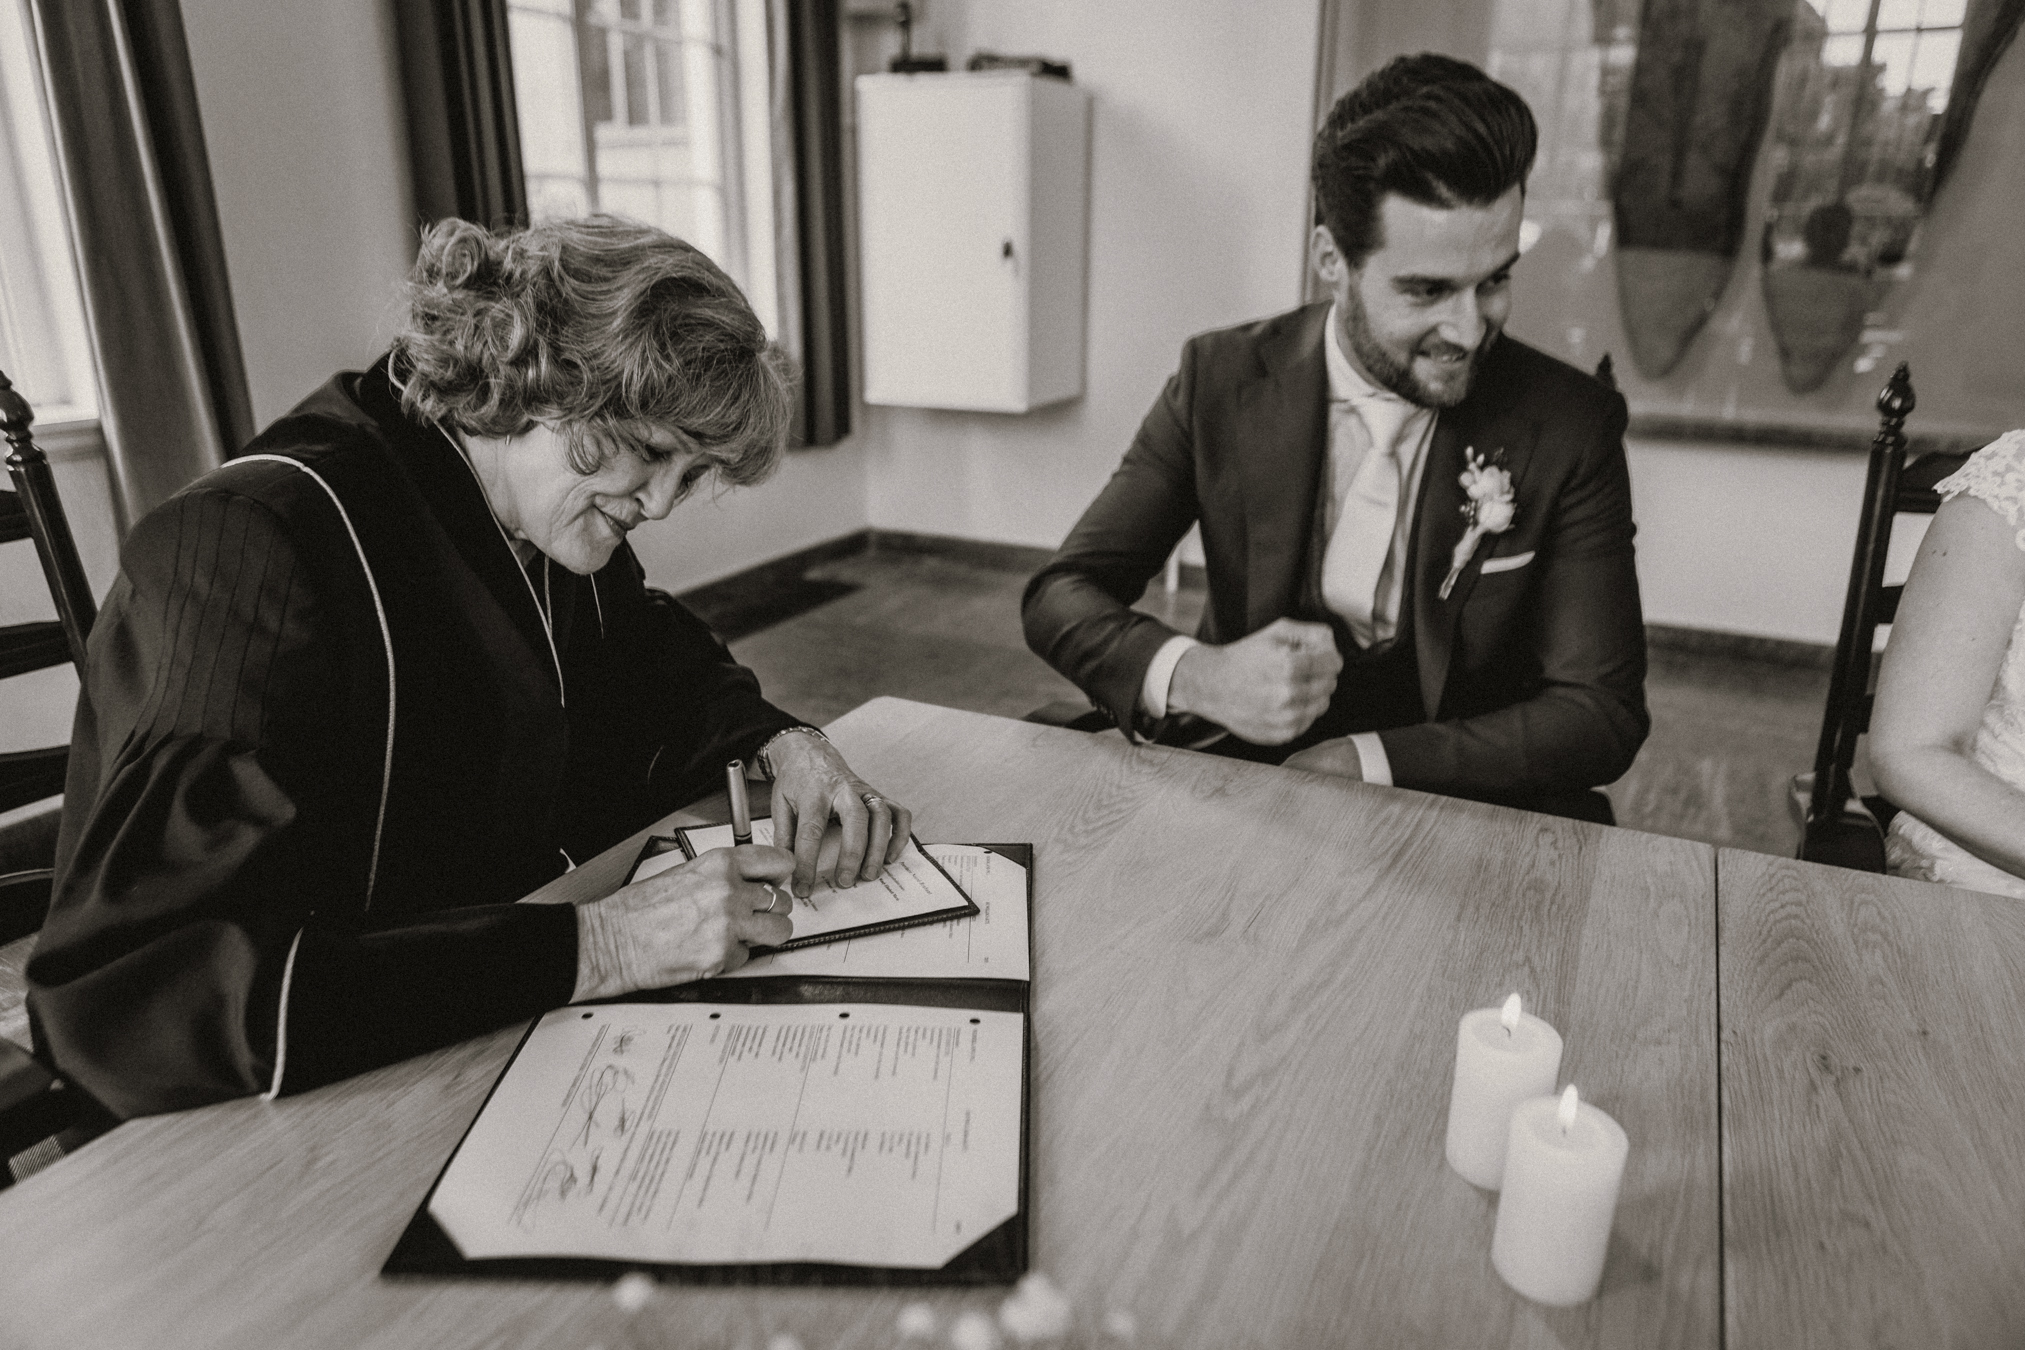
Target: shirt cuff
x=1371 y=751
x=1160 y=674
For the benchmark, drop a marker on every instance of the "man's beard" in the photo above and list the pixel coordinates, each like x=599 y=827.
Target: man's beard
x=1396 y=375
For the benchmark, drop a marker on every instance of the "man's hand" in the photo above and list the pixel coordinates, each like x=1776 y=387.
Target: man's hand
x=1338 y=757
x=812 y=785
x=1267 y=688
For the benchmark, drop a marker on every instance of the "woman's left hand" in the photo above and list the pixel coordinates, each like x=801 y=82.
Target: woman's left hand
x=812 y=786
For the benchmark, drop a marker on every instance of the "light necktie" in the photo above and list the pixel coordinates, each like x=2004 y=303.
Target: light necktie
x=1359 y=552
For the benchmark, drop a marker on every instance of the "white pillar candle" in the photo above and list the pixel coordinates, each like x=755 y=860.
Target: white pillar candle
x=1502 y=1057
x=1562 y=1171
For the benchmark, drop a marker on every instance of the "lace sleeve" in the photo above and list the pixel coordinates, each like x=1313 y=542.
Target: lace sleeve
x=1996 y=475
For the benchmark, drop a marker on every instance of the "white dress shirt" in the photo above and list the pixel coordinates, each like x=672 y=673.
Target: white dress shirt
x=1415 y=433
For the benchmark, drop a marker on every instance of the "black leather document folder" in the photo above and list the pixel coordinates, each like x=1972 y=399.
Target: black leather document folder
x=999 y=1256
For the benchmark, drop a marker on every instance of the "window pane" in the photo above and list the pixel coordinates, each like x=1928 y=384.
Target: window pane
x=1897 y=14
x=631 y=106
x=1893 y=51
x=638 y=109
x=1942 y=13
x=668 y=61
x=1846 y=16
x=1933 y=66
x=1845 y=50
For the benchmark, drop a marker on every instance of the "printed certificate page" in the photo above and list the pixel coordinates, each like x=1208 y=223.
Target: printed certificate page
x=993 y=945
x=905 y=889
x=708 y=1134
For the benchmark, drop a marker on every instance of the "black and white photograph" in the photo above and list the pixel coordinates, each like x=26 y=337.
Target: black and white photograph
x=1012 y=674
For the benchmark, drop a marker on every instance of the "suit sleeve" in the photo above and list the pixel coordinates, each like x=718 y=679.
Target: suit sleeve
x=1585 y=719
x=205 y=938
x=1077 y=610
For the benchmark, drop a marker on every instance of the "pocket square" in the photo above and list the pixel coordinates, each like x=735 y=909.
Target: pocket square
x=1513 y=563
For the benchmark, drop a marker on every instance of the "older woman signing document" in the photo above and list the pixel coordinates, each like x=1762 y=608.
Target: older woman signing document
x=359 y=690
x=1947 y=737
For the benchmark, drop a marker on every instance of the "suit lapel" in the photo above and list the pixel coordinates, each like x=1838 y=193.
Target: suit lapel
x=1283 y=415
x=1477 y=423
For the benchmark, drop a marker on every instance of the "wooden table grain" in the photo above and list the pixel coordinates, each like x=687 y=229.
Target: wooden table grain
x=1247 y=982
x=1873 y=1043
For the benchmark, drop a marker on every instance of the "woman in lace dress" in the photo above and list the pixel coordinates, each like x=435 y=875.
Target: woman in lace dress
x=1947 y=738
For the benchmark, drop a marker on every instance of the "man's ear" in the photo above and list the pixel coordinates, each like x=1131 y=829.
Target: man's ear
x=1324 y=257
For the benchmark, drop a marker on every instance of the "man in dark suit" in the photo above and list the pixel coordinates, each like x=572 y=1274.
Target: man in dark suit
x=1418 y=530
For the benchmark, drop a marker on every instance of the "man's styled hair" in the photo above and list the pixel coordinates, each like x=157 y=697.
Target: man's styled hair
x=604 y=327
x=1434 y=130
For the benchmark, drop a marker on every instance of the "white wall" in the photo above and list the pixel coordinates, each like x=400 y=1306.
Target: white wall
x=303 y=122
x=1201 y=118
x=817 y=495
x=1745 y=539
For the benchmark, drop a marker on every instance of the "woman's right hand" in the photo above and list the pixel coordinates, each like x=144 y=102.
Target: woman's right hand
x=688 y=923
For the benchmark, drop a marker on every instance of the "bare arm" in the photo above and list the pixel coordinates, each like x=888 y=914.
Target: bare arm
x=1948 y=644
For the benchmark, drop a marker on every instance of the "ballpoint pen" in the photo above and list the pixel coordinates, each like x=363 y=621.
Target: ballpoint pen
x=741 y=812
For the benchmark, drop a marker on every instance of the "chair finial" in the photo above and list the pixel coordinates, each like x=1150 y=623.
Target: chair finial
x=1895 y=401
x=15 y=414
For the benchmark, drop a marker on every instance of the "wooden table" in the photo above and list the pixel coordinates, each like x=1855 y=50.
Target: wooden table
x=1873 y=1113
x=1247 y=982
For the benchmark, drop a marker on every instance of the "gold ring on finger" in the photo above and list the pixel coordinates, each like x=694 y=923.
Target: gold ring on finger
x=873 y=801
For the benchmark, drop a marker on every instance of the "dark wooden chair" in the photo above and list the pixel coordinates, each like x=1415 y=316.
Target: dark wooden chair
x=1837 y=826
x=32 y=511
x=34 y=1103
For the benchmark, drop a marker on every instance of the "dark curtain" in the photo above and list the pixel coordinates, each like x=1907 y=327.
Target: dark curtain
x=150 y=256
x=463 y=134
x=817 y=119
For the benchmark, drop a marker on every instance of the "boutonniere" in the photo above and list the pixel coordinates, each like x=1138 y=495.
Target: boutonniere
x=1489 y=510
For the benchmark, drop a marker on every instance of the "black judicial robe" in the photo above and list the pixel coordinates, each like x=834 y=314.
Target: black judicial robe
x=322 y=745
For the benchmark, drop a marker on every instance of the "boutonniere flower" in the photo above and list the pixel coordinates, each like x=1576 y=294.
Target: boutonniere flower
x=1489 y=510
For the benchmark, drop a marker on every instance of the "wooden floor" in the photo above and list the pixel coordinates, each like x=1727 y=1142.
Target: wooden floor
x=1728 y=733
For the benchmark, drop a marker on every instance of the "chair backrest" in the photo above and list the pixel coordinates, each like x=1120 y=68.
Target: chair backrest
x=1891 y=488
x=35 y=1103
x=33 y=511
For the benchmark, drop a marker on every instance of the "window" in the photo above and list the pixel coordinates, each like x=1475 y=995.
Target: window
x=657 y=110
x=1906 y=46
x=43 y=342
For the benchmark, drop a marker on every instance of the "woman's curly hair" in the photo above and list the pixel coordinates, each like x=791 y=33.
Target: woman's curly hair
x=602 y=327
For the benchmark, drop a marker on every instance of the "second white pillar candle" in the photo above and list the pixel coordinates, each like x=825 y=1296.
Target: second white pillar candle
x=1562 y=1171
